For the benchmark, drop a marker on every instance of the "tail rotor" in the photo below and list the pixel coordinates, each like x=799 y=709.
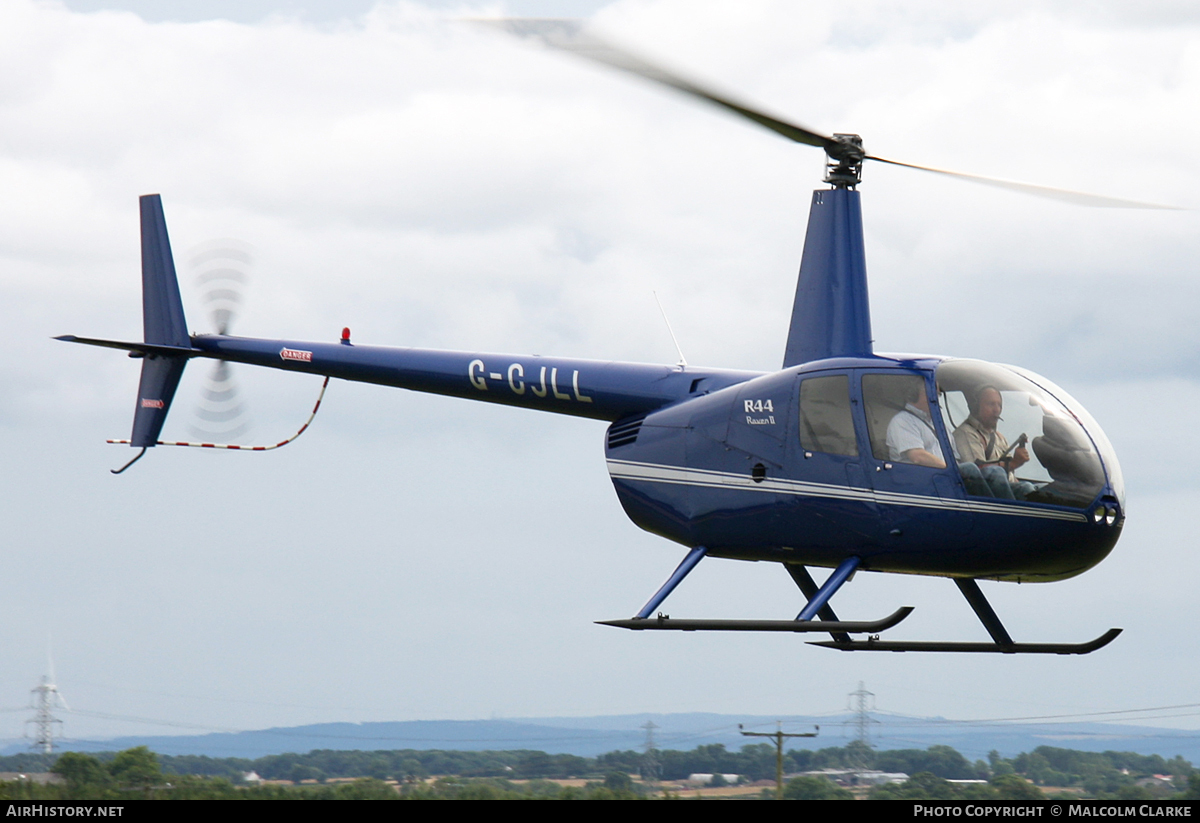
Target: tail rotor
x=220 y=269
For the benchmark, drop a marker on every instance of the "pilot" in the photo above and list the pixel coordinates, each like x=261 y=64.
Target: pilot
x=978 y=442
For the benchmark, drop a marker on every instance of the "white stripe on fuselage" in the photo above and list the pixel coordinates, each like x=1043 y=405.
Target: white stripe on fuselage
x=674 y=475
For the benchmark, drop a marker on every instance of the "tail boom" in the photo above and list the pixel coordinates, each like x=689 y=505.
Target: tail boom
x=602 y=390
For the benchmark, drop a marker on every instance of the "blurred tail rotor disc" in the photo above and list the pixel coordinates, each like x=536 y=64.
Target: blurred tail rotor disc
x=220 y=269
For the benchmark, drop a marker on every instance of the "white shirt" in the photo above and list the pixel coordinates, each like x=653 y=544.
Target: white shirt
x=912 y=429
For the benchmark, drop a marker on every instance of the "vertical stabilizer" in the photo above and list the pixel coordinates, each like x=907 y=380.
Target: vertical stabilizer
x=831 y=316
x=163 y=323
x=162 y=307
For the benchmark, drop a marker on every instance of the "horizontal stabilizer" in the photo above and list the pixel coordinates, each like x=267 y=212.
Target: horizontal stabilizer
x=133 y=348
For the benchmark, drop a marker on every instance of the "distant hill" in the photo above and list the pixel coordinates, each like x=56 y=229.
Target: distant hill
x=591 y=736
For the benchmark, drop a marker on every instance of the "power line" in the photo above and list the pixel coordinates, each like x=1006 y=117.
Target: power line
x=1076 y=716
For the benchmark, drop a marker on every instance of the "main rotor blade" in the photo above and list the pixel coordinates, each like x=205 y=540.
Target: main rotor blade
x=1077 y=198
x=568 y=35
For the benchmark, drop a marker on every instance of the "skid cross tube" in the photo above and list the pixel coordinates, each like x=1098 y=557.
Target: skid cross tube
x=983 y=610
x=808 y=587
x=689 y=563
x=818 y=601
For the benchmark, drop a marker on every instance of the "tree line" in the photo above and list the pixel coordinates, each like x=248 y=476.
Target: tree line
x=484 y=774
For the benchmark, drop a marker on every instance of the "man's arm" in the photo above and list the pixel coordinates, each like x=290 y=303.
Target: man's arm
x=906 y=444
x=921 y=457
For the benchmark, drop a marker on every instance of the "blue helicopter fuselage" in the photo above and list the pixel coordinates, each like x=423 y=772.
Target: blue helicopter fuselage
x=730 y=471
x=718 y=458
x=802 y=466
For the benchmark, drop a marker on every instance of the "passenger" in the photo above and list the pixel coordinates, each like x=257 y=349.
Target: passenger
x=978 y=442
x=911 y=437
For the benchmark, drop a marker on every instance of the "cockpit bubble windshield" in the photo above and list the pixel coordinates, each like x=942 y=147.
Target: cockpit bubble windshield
x=1014 y=440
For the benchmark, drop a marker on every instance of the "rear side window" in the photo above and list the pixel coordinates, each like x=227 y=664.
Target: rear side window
x=826 y=424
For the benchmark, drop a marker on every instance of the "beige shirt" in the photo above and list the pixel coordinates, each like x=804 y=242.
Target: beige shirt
x=975 y=443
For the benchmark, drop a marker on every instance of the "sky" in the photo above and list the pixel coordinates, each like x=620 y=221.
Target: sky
x=429 y=183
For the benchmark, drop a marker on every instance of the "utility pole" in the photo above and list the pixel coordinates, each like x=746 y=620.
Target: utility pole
x=778 y=735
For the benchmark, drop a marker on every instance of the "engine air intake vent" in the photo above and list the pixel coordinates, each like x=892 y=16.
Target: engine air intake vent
x=624 y=432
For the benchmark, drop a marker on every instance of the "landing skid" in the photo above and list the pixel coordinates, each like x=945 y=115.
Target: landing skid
x=876 y=645
x=840 y=630
x=665 y=623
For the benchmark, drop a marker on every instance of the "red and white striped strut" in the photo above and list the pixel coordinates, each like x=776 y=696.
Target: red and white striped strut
x=234 y=447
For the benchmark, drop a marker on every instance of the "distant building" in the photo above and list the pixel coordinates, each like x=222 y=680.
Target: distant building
x=41 y=778
x=703 y=779
x=857 y=777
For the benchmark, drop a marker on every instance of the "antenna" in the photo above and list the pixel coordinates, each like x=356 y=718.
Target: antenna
x=682 y=360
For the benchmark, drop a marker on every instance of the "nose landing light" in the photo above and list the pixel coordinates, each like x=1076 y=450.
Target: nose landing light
x=1106 y=512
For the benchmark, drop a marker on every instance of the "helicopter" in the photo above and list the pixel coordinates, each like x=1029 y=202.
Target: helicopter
x=845 y=459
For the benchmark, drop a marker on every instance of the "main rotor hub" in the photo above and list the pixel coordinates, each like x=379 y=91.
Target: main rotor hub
x=843 y=169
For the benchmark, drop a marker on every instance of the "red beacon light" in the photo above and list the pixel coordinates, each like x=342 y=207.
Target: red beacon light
x=346 y=336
